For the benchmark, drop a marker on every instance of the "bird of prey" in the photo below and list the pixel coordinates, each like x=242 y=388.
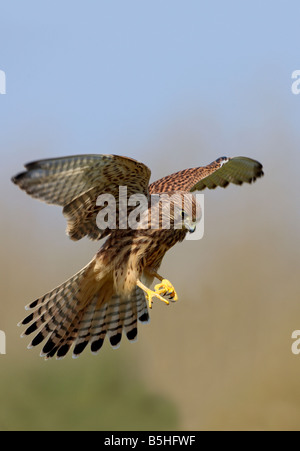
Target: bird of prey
x=111 y=293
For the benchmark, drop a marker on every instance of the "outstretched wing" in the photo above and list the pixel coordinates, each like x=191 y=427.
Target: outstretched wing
x=75 y=183
x=221 y=172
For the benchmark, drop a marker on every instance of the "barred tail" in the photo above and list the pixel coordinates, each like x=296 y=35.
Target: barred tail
x=82 y=311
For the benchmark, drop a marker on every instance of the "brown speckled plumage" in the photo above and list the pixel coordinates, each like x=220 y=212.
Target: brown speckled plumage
x=103 y=298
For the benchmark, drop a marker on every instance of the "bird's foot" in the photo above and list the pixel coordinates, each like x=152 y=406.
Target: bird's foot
x=150 y=294
x=165 y=288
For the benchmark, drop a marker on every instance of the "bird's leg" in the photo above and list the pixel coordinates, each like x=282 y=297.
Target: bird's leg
x=150 y=294
x=165 y=288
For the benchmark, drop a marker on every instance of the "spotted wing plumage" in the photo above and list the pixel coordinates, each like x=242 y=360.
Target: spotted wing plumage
x=221 y=172
x=75 y=183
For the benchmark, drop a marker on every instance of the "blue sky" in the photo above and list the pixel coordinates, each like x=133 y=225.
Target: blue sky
x=92 y=73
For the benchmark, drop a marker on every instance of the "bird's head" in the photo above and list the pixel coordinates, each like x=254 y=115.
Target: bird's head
x=187 y=221
x=187 y=212
x=179 y=211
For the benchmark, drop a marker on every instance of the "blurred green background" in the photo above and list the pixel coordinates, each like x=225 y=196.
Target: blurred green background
x=143 y=81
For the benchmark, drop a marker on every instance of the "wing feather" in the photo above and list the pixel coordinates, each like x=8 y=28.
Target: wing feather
x=221 y=172
x=75 y=183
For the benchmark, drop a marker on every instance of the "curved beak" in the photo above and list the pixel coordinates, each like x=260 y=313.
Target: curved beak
x=190 y=225
x=192 y=228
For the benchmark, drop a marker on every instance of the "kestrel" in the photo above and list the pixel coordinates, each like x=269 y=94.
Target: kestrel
x=111 y=293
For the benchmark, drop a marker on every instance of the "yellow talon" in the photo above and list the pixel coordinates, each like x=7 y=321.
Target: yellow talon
x=166 y=288
x=151 y=294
